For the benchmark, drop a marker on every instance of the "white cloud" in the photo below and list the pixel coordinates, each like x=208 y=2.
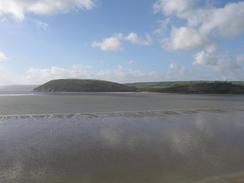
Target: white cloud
x=19 y=8
x=3 y=56
x=228 y=21
x=112 y=43
x=185 y=38
x=201 y=26
x=133 y=38
x=206 y=58
x=221 y=62
x=169 y=7
x=118 y=74
x=115 y=42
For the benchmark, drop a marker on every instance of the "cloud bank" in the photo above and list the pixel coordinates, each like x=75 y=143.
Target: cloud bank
x=200 y=28
x=117 y=74
x=19 y=8
x=202 y=23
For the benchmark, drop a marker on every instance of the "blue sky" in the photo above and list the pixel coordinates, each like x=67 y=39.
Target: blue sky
x=123 y=41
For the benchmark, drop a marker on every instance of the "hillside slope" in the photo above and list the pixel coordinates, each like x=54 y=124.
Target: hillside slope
x=196 y=87
x=77 y=85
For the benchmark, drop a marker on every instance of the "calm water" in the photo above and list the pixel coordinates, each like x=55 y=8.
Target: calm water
x=170 y=147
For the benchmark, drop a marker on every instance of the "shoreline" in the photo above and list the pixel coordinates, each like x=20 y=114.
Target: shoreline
x=127 y=114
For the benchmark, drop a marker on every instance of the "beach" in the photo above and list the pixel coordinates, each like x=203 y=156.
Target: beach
x=113 y=102
x=122 y=138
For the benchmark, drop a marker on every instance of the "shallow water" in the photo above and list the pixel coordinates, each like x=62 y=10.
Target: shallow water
x=167 y=147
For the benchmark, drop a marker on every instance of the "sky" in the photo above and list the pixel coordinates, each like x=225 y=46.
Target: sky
x=122 y=41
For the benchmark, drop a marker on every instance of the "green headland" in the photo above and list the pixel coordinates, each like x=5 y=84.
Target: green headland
x=78 y=85
x=184 y=87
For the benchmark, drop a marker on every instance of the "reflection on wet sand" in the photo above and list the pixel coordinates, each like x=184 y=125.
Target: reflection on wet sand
x=201 y=147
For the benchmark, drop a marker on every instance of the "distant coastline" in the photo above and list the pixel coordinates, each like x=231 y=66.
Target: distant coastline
x=184 y=87
x=192 y=87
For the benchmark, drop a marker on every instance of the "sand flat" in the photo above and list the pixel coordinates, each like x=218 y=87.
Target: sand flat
x=114 y=102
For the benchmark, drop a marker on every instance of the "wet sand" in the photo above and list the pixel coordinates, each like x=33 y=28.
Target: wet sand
x=114 y=102
x=168 y=140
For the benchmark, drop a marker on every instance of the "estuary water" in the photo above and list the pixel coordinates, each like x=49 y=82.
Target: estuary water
x=166 y=140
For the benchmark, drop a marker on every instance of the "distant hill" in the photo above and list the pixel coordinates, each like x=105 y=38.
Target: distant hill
x=196 y=87
x=185 y=87
x=78 y=85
